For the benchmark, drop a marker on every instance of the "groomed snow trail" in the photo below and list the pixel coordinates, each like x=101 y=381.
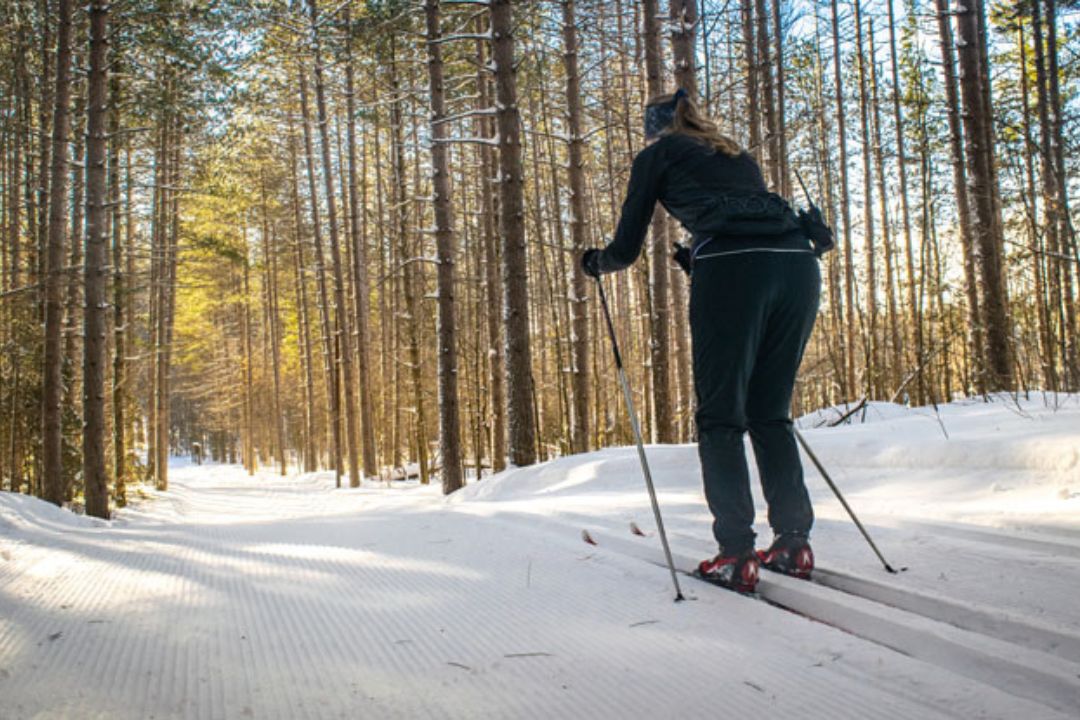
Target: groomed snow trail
x=269 y=597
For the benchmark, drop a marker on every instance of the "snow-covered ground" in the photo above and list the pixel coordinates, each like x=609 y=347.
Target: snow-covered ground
x=232 y=597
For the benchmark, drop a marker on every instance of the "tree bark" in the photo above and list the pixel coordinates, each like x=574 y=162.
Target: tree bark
x=892 y=369
x=492 y=266
x=982 y=186
x=873 y=363
x=360 y=277
x=120 y=292
x=302 y=309
x=1066 y=233
x=449 y=415
x=579 y=318
x=781 y=102
x=684 y=20
x=905 y=210
x=277 y=415
x=764 y=71
x=750 y=54
x=344 y=335
x=329 y=347
x=849 y=385
x=95 y=479
x=250 y=461
x=54 y=477
x=519 y=377
x=663 y=422
x=963 y=203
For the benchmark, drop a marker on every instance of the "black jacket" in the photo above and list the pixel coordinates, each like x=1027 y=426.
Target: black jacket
x=698 y=185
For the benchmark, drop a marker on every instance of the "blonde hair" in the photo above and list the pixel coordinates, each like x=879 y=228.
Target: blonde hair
x=690 y=121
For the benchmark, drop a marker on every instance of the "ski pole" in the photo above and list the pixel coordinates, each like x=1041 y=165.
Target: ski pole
x=637 y=437
x=836 y=491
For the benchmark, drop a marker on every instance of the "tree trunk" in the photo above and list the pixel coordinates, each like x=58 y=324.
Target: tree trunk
x=684 y=21
x=119 y=378
x=849 y=385
x=684 y=18
x=873 y=363
x=73 y=279
x=893 y=369
x=55 y=480
x=764 y=71
x=974 y=91
x=1066 y=233
x=519 y=379
x=250 y=461
x=168 y=230
x=905 y=211
x=750 y=53
x=579 y=317
x=963 y=205
x=95 y=479
x=344 y=335
x=304 y=324
x=449 y=415
x=1048 y=350
x=360 y=278
x=277 y=416
x=46 y=104
x=489 y=209
x=781 y=102
x=663 y=423
x=329 y=347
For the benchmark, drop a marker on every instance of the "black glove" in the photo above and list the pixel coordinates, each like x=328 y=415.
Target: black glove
x=682 y=257
x=590 y=262
x=814 y=227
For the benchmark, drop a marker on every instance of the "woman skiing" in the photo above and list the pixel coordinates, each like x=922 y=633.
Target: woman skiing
x=755 y=284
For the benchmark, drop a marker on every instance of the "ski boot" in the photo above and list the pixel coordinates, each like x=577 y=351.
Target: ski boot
x=735 y=572
x=790 y=555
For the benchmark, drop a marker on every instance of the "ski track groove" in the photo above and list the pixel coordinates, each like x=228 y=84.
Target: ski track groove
x=979 y=658
x=255 y=637
x=1007 y=625
x=1003 y=624
x=775 y=675
x=292 y=646
x=1054 y=546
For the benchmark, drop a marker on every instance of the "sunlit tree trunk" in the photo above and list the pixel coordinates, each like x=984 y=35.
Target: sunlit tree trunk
x=329 y=347
x=341 y=315
x=449 y=415
x=119 y=377
x=360 y=277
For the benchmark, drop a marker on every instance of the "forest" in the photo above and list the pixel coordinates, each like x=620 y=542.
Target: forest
x=346 y=235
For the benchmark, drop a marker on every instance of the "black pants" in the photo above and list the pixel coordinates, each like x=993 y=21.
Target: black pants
x=750 y=316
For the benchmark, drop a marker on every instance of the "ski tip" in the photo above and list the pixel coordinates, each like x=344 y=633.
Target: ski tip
x=636 y=530
x=587 y=537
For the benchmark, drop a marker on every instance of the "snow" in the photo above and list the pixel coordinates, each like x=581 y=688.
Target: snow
x=236 y=596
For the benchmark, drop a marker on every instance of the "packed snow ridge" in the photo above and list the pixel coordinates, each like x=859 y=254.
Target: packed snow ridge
x=270 y=597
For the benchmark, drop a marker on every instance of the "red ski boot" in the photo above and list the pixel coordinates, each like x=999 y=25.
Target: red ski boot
x=735 y=572
x=790 y=555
